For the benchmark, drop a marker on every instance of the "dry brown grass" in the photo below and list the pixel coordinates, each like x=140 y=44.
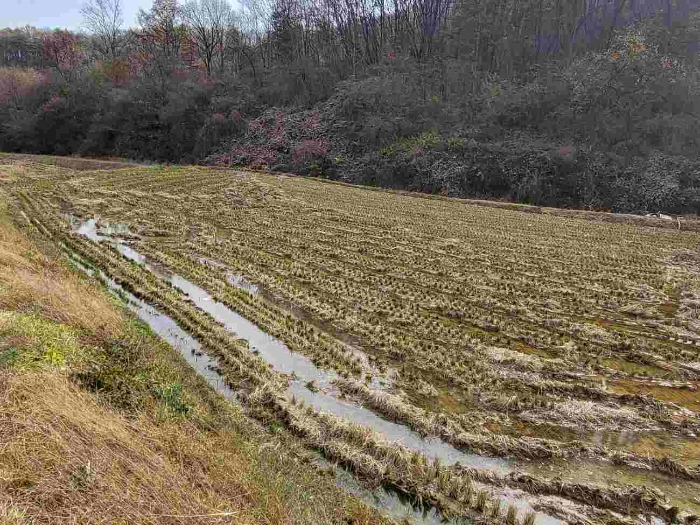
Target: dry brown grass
x=31 y=282
x=74 y=163
x=66 y=458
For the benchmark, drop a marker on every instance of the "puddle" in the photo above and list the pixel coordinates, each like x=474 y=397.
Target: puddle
x=399 y=506
x=268 y=347
x=380 y=379
x=240 y=282
x=682 y=494
x=256 y=289
x=302 y=371
x=114 y=229
x=235 y=280
x=684 y=448
x=665 y=441
x=657 y=444
x=298 y=366
x=89 y=229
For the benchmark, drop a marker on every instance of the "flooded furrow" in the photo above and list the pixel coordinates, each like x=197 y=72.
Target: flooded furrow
x=307 y=382
x=379 y=380
x=390 y=502
x=165 y=327
x=303 y=373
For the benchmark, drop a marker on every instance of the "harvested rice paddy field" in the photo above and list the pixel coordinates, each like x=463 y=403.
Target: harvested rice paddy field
x=492 y=362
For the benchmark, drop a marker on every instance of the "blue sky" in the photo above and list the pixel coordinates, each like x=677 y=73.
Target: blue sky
x=57 y=13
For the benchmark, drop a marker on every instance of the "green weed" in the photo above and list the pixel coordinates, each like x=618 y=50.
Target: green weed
x=426 y=140
x=173 y=397
x=40 y=343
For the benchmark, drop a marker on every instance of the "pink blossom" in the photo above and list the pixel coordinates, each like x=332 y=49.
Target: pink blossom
x=309 y=148
x=254 y=154
x=311 y=123
x=218 y=118
x=256 y=125
x=62 y=47
x=53 y=102
x=567 y=153
x=278 y=134
x=221 y=160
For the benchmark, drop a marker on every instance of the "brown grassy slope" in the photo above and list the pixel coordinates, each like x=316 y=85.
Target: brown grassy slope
x=74 y=163
x=100 y=422
x=66 y=457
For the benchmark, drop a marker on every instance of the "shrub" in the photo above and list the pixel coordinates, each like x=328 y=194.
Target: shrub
x=17 y=84
x=259 y=155
x=309 y=148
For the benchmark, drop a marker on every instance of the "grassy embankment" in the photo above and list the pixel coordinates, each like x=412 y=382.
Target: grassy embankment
x=102 y=422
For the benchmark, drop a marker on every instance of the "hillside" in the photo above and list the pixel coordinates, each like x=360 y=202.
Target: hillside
x=580 y=104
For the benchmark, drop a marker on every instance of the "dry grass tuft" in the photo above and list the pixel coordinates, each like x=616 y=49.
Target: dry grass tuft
x=529 y=519
x=586 y=414
x=65 y=455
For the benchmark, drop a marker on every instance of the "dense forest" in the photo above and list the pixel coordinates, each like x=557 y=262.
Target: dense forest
x=577 y=103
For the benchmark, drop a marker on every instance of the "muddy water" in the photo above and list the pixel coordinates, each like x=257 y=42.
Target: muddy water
x=302 y=371
x=300 y=367
x=267 y=346
x=684 y=494
x=167 y=329
x=242 y=283
x=652 y=442
x=89 y=230
x=390 y=502
x=379 y=380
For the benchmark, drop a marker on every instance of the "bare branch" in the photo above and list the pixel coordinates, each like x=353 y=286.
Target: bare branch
x=104 y=19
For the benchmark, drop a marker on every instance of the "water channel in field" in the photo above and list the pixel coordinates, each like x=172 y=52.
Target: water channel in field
x=324 y=397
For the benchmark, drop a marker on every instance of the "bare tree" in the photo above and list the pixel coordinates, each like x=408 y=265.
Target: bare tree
x=104 y=19
x=209 y=21
x=158 y=42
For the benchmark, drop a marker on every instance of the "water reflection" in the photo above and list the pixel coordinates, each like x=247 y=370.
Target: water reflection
x=302 y=371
